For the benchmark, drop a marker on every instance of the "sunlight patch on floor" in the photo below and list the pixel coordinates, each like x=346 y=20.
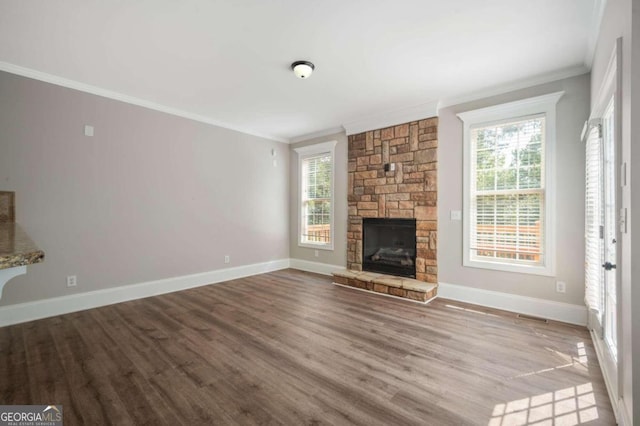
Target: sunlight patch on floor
x=565 y=407
x=582 y=353
x=579 y=362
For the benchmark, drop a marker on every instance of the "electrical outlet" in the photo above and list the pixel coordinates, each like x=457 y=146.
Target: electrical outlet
x=72 y=281
x=561 y=287
x=227 y=259
x=316 y=253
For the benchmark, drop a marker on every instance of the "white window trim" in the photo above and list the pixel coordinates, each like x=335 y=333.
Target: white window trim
x=309 y=151
x=545 y=104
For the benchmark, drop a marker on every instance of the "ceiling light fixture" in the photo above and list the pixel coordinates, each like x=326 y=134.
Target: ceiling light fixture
x=302 y=69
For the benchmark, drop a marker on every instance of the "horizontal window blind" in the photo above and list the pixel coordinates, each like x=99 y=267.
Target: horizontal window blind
x=316 y=199
x=507 y=191
x=594 y=219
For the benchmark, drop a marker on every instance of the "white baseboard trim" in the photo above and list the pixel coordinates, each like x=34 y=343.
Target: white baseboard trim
x=317 y=267
x=624 y=413
x=23 y=312
x=610 y=384
x=557 y=311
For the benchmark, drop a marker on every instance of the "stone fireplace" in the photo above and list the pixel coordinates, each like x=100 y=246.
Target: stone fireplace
x=393 y=174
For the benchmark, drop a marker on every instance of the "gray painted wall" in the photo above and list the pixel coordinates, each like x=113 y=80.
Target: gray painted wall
x=337 y=256
x=572 y=111
x=150 y=196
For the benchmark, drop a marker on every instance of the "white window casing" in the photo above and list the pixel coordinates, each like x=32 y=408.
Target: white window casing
x=522 y=250
x=309 y=158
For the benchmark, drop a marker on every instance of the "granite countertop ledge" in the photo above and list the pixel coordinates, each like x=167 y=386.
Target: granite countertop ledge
x=16 y=248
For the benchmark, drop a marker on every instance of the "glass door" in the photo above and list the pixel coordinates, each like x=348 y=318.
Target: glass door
x=603 y=196
x=610 y=230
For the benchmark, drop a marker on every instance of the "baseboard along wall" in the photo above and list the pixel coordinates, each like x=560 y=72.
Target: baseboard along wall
x=29 y=311
x=23 y=312
x=557 y=311
x=316 y=267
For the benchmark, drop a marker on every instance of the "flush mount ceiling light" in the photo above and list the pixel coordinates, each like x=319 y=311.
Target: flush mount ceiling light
x=302 y=69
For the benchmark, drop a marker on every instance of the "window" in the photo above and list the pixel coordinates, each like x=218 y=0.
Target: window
x=508 y=202
x=315 y=177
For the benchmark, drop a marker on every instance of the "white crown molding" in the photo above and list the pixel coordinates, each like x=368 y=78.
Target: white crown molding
x=23 y=312
x=513 y=86
x=594 y=31
x=392 y=118
x=610 y=84
x=520 y=107
x=372 y=122
x=431 y=109
x=317 y=148
x=557 y=311
x=320 y=133
x=315 y=267
x=105 y=93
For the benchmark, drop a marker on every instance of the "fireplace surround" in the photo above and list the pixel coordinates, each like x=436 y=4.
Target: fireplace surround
x=389 y=246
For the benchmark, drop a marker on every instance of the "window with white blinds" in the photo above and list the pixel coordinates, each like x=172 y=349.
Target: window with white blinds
x=316 y=199
x=507 y=191
x=594 y=220
x=508 y=204
x=316 y=171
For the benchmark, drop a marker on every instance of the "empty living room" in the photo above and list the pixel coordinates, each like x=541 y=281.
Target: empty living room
x=349 y=212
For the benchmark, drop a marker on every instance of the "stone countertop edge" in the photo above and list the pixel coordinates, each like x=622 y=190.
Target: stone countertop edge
x=16 y=248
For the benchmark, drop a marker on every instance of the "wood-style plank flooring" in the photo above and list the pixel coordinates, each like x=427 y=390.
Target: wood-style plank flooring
x=291 y=348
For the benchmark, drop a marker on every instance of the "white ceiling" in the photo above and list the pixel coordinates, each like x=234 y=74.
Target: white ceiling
x=227 y=62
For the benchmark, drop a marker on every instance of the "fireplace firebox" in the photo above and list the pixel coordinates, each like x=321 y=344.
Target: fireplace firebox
x=389 y=246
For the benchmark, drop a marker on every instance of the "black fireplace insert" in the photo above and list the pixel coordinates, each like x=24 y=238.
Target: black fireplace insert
x=389 y=246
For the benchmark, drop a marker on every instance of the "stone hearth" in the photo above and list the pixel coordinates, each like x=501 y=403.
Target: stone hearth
x=407 y=288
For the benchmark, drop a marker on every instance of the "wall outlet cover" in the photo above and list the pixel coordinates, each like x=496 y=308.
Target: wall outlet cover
x=72 y=281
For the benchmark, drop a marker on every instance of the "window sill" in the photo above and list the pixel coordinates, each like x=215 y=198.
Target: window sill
x=509 y=267
x=328 y=247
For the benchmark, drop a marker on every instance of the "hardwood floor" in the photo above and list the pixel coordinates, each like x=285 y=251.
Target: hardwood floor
x=291 y=348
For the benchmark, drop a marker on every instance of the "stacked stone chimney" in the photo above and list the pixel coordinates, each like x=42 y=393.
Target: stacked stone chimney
x=408 y=190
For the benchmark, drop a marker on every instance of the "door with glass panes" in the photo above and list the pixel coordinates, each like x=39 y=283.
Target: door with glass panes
x=602 y=226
